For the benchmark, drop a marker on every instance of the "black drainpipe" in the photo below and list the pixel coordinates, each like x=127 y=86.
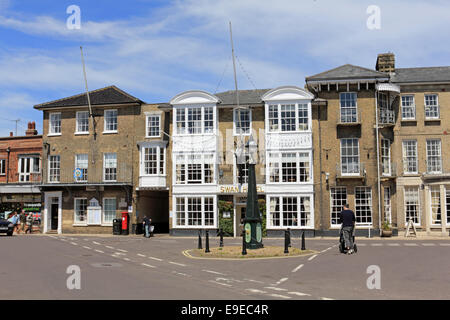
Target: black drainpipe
x=7 y=167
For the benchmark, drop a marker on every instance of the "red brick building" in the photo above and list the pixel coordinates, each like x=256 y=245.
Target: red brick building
x=20 y=171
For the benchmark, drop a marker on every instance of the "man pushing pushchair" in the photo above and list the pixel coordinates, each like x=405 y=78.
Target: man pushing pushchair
x=347 y=237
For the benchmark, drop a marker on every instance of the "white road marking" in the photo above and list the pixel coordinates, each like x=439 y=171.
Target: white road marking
x=157 y=259
x=87 y=248
x=281 y=281
x=141 y=255
x=298 y=268
x=148 y=265
x=74 y=243
x=62 y=239
x=310 y=258
x=100 y=251
x=428 y=244
x=253 y=280
x=393 y=244
x=323 y=298
x=95 y=242
x=215 y=272
x=279 y=296
x=362 y=244
x=376 y=244
x=178 y=264
x=256 y=291
x=444 y=244
x=126 y=259
x=275 y=288
x=411 y=244
x=181 y=274
x=109 y=247
x=122 y=250
x=299 y=293
x=222 y=284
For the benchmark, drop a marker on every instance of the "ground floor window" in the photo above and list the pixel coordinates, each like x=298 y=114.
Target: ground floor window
x=195 y=211
x=387 y=205
x=363 y=205
x=338 y=199
x=293 y=211
x=412 y=206
x=109 y=210
x=447 y=204
x=435 y=195
x=80 y=207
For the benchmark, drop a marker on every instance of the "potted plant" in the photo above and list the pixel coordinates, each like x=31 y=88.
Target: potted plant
x=386 y=230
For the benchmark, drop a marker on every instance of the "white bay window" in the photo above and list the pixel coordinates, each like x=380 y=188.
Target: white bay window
x=289 y=167
x=195 y=211
x=290 y=211
x=195 y=168
x=292 y=117
x=194 y=120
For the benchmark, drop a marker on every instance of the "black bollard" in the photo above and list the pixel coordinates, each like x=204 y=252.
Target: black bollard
x=289 y=237
x=303 y=241
x=221 y=238
x=207 y=242
x=199 y=239
x=244 y=246
x=286 y=241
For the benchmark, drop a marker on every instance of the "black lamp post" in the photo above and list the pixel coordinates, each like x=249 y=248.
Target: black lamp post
x=253 y=219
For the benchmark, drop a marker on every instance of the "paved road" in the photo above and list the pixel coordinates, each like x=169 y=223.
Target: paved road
x=34 y=267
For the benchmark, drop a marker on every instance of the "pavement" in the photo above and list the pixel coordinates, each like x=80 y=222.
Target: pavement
x=134 y=267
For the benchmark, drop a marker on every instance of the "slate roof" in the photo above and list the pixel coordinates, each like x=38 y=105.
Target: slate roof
x=347 y=71
x=428 y=74
x=245 y=96
x=103 y=96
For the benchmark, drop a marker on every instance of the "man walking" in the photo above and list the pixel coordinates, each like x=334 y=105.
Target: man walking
x=347 y=218
x=29 y=222
x=147 y=222
x=14 y=219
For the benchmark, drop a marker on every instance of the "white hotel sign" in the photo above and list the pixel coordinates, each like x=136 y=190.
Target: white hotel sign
x=234 y=188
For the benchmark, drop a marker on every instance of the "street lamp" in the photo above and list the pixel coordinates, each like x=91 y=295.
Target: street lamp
x=253 y=219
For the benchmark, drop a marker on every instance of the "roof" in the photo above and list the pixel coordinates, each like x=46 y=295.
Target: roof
x=245 y=96
x=103 y=96
x=347 y=71
x=427 y=74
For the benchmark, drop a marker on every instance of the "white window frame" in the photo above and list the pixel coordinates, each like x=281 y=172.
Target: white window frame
x=447 y=204
x=147 y=126
x=186 y=225
x=160 y=150
x=437 y=161
x=281 y=198
x=337 y=207
x=386 y=157
x=236 y=171
x=406 y=156
x=28 y=174
x=77 y=166
x=350 y=157
x=104 y=222
x=239 y=132
x=387 y=201
x=348 y=109
x=2 y=167
x=80 y=223
x=414 y=188
x=104 y=167
x=105 y=130
x=277 y=158
x=202 y=130
x=50 y=168
x=277 y=105
x=432 y=194
x=51 y=131
x=186 y=161
x=77 y=124
x=412 y=106
x=428 y=107
x=369 y=205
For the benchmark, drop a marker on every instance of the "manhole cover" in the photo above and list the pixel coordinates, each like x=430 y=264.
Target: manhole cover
x=106 y=265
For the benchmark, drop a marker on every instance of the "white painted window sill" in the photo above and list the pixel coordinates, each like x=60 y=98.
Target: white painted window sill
x=53 y=134
x=110 y=132
x=81 y=133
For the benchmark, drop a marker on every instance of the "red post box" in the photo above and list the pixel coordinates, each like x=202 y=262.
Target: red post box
x=125 y=223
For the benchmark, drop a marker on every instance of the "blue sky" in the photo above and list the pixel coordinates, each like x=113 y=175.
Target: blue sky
x=156 y=49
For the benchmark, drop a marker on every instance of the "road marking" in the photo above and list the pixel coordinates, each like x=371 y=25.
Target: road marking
x=411 y=244
x=215 y=272
x=323 y=298
x=310 y=258
x=253 y=280
x=275 y=288
x=157 y=259
x=299 y=294
x=444 y=244
x=62 y=239
x=256 y=291
x=119 y=253
x=298 y=268
x=94 y=242
x=87 y=248
x=376 y=244
x=100 y=251
x=126 y=259
x=141 y=255
x=148 y=265
x=181 y=274
x=222 y=284
x=428 y=244
x=122 y=250
x=178 y=264
x=393 y=244
x=362 y=244
x=75 y=244
x=279 y=296
x=109 y=247
x=281 y=281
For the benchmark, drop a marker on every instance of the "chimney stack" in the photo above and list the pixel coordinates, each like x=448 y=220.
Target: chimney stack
x=385 y=62
x=11 y=134
x=31 y=131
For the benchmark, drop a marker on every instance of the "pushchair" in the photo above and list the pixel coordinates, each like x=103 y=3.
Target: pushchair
x=342 y=248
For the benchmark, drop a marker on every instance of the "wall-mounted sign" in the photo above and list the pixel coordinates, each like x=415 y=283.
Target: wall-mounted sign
x=226 y=214
x=232 y=189
x=278 y=141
